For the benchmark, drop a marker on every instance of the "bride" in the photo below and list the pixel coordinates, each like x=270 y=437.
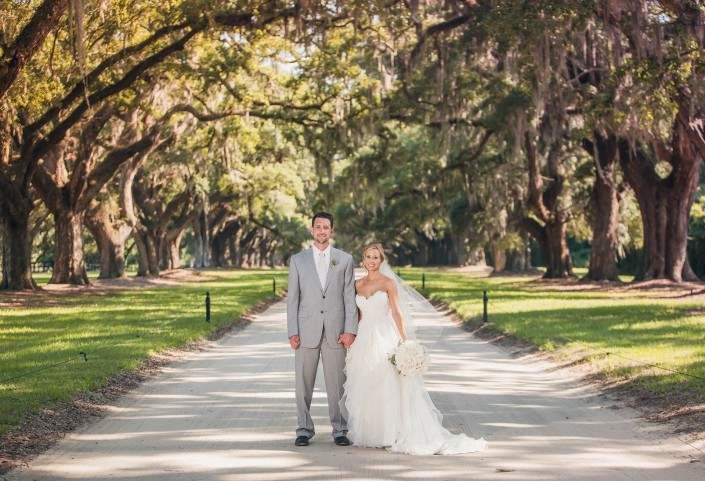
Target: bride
x=384 y=408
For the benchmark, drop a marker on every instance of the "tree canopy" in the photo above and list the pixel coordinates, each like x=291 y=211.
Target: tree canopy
x=454 y=132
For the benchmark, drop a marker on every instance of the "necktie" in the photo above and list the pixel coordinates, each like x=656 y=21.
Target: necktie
x=322 y=269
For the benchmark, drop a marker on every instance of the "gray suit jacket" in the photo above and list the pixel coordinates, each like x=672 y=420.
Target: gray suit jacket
x=309 y=308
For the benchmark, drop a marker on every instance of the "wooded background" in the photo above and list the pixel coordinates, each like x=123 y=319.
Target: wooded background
x=206 y=133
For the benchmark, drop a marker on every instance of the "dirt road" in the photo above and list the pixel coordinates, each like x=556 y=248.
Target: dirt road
x=227 y=413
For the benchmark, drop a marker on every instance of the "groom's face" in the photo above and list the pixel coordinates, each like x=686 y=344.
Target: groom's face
x=321 y=230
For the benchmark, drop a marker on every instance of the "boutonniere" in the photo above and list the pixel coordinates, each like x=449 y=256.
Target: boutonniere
x=334 y=262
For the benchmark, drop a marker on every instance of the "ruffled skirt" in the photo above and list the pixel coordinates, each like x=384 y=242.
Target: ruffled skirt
x=384 y=408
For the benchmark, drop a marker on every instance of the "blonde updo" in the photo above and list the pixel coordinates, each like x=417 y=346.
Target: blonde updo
x=378 y=248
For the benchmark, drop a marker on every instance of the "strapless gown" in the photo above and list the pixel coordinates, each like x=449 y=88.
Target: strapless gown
x=384 y=408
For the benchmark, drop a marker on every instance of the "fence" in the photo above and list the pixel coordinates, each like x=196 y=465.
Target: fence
x=48 y=266
x=42 y=266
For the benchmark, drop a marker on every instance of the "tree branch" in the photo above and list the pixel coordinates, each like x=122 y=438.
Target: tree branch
x=28 y=41
x=228 y=19
x=480 y=148
x=93 y=76
x=31 y=157
x=434 y=30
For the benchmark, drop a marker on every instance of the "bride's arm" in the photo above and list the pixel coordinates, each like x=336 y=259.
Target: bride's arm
x=394 y=305
x=359 y=312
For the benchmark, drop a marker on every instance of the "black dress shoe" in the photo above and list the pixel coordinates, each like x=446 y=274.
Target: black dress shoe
x=342 y=441
x=301 y=441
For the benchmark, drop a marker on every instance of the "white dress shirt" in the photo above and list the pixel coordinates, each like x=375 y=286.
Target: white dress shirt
x=317 y=254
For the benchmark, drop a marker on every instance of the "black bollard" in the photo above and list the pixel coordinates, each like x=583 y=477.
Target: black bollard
x=274 y=285
x=208 y=307
x=484 y=306
x=423 y=280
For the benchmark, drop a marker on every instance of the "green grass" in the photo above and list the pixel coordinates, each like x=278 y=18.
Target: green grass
x=119 y=330
x=116 y=331
x=620 y=333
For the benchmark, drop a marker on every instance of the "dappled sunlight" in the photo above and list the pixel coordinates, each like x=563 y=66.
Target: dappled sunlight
x=513 y=425
x=618 y=329
x=117 y=330
x=287 y=394
x=142 y=466
x=241 y=435
x=228 y=413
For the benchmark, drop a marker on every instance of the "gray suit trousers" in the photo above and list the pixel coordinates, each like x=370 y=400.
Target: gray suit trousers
x=306 y=367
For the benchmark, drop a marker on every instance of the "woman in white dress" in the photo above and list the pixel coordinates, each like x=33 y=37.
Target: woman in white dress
x=384 y=408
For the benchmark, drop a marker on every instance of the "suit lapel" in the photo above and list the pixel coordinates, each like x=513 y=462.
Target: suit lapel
x=314 y=267
x=311 y=259
x=333 y=256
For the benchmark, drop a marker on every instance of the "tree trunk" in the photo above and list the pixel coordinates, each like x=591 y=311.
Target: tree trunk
x=604 y=203
x=683 y=185
x=16 y=247
x=148 y=260
x=654 y=211
x=223 y=245
x=170 y=251
x=558 y=261
x=234 y=249
x=61 y=180
x=219 y=250
x=262 y=252
x=605 y=221
x=272 y=253
x=142 y=256
x=110 y=238
x=519 y=259
x=499 y=257
x=461 y=252
x=544 y=204
x=111 y=250
x=477 y=257
x=202 y=248
x=15 y=208
x=153 y=253
x=69 y=263
x=245 y=248
x=171 y=240
x=665 y=209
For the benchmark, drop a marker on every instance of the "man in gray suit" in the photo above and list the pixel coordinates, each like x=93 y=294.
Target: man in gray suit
x=321 y=318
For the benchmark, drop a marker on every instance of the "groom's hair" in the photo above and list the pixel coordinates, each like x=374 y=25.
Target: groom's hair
x=324 y=215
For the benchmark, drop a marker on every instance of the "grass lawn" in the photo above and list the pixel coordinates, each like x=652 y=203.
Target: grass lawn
x=116 y=330
x=621 y=332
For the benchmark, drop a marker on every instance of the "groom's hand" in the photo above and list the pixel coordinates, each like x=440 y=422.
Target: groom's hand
x=295 y=341
x=346 y=339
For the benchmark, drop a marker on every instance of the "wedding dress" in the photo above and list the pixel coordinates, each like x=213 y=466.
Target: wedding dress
x=384 y=408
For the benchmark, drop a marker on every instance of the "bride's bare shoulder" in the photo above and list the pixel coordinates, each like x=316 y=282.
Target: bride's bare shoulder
x=386 y=284
x=390 y=285
x=384 y=279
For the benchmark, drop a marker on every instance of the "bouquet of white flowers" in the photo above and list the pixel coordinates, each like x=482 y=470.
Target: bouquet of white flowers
x=410 y=358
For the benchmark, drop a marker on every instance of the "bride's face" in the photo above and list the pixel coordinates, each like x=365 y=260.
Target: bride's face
x=372 y=259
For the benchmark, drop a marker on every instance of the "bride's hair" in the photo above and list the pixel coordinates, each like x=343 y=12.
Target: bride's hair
x=378 y=248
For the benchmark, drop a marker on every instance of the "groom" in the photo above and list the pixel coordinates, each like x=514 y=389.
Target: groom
x=321 y=318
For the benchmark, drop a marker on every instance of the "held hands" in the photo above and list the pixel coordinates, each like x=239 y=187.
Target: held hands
x=346 y=339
